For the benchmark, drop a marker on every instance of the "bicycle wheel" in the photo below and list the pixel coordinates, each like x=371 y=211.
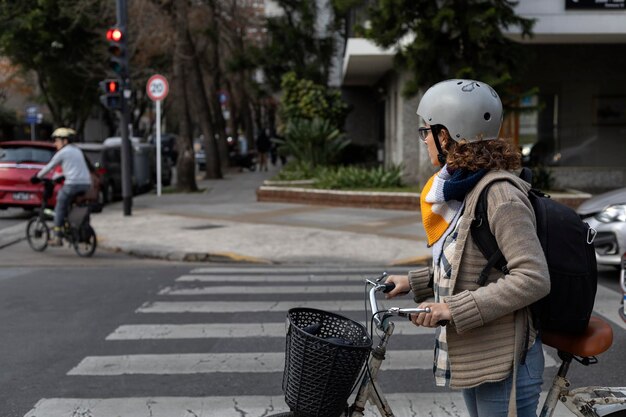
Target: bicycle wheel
x=87 y=242
x=37 y=234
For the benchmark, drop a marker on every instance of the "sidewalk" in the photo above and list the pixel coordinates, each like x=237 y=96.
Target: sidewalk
x=225 y=223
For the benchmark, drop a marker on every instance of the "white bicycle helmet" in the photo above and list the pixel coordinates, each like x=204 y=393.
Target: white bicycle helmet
x=64 y=133
x=468 y=109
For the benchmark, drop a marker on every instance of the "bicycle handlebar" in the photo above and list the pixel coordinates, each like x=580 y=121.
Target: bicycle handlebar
x=57 y=180
x=380 y=285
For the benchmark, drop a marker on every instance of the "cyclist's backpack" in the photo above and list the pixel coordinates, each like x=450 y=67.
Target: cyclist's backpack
x=567 y=243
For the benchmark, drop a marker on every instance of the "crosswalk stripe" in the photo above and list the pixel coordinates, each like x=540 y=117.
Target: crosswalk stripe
x=274 y=289
x=286 y=269
x=436 y=404
x=226 y=330
x=272 y=278
x=255 y=306
x=249 y=362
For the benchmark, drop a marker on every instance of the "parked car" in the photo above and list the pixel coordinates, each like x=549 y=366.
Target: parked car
x=169 y=147
x=108 y=171
x=606 y=213
x=19 y=161
x=143 y=165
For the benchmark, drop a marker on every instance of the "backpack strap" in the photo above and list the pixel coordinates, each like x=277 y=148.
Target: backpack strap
x=484 y=239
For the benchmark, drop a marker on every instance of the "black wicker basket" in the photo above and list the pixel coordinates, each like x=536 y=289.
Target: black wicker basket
x=325 y=353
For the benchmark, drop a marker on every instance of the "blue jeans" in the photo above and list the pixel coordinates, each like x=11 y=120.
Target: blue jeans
x=64 y=197
x=492 y=399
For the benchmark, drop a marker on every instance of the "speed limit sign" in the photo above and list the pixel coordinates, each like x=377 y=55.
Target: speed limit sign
x=157 y=88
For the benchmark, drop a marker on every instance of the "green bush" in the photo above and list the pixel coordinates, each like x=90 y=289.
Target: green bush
x=352 y=177
x=303 y=99
x=294 y=171
x=313 y=142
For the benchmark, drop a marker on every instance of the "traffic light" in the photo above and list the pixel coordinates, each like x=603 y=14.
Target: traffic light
x=112 y=94
x=118 y=59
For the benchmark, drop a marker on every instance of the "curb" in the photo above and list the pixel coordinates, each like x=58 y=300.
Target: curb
x=181 y=256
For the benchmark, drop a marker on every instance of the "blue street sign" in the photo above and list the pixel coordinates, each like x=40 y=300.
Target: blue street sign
x=32 y=113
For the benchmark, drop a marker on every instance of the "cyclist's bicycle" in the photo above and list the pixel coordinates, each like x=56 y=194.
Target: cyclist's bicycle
x=76 y=231
x=584 y=402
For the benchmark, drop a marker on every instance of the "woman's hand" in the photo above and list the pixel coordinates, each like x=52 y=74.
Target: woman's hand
x=438 y=312
x=402 y=285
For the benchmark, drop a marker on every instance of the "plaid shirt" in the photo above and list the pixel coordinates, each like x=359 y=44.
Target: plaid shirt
x=442 y=273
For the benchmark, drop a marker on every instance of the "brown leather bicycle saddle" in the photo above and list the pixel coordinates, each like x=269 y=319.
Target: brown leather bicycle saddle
x=596 y=339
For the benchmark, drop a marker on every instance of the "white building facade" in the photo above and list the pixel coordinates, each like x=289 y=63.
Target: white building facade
x=577 y=61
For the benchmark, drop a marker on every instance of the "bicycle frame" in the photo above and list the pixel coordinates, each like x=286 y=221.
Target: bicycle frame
x=583 y=401
x=369 y=390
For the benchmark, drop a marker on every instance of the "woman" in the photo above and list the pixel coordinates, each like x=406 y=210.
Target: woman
x=489 y=348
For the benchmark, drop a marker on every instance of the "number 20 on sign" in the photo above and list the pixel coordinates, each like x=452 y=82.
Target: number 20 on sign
x=157 y=88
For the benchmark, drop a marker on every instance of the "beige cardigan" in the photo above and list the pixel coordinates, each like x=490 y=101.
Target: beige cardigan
x=489 y=323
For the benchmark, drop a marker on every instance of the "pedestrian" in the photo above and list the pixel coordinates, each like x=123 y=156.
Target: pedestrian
x=75 y=171
x=263 y=147
x=488 y=346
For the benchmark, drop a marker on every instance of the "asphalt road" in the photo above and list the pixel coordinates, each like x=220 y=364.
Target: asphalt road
x=70 y=338
x=13 y=216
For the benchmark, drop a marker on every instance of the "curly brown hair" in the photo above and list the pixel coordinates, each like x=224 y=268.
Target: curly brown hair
x=485 y=154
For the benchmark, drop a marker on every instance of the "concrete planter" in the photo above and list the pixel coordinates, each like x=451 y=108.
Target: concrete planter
x=370 y=199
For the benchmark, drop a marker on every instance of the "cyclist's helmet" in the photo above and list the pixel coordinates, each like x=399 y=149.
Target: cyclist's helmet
x=64 y=133
x=468 y=109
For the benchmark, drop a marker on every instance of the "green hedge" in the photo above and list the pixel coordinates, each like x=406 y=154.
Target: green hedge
x=345 y=177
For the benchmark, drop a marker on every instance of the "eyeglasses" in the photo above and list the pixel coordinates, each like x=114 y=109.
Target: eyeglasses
x=423 y=133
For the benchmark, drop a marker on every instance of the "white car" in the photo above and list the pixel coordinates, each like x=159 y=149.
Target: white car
x=606 y=213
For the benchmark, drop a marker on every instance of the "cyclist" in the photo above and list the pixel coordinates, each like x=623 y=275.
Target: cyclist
x=490 y=348
x=75 y=171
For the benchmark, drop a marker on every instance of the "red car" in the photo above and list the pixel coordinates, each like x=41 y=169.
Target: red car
x=19 y=161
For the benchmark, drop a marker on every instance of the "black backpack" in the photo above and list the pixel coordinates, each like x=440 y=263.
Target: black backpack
x=567 y=242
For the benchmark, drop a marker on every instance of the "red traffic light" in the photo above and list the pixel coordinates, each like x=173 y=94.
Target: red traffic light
x=112 y=87
x=114 y=35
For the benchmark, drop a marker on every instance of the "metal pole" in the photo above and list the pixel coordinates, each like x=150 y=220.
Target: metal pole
x=32 y=131
x=158 y=145
x=127 y=186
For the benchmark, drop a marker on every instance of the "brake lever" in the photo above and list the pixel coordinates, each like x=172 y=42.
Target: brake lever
x=406 y=312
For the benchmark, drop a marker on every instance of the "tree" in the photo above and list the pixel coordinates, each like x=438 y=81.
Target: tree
x=62 y=43
x=303 y=99
x=185 y=163
x=451 y=39
x=295 y=44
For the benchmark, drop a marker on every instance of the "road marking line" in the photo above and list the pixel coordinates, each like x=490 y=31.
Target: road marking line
x=249 y=362
x=255 y=306
x=272 y=278
x=226 y=330
x=291 y=270
x=287 y=289
x=435 y=404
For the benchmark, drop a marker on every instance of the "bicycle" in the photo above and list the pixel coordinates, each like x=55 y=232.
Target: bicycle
x=76 y=231
x=583 y=402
